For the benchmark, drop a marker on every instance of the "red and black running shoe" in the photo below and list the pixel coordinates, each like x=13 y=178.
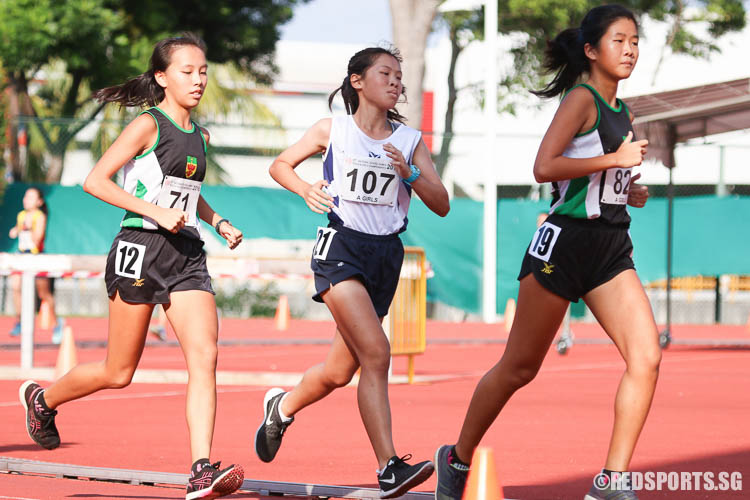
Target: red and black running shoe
x=210 y=481
x=40 y=420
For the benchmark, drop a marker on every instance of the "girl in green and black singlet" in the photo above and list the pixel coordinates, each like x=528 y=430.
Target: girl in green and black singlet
x=157 y=256
x=582 y=250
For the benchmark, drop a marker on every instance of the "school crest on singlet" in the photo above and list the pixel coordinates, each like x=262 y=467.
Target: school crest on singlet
x=169 y=174
x=191 y=166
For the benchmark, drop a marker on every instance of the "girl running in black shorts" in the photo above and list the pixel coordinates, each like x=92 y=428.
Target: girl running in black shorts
x=371 y=165
x=157 y=257
x=582 y=250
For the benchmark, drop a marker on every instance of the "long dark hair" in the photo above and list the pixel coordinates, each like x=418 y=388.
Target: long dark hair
x=358 y=64
x=143 y=89
x=564 y=55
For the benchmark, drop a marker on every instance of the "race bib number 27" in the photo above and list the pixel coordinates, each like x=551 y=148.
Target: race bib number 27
x=323 y=242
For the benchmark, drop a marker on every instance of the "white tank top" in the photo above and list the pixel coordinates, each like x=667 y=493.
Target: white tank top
x=369 y=196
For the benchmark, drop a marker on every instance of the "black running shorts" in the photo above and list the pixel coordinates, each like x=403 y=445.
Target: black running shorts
x=570 y=257
x=146 y=266
x=341 y=253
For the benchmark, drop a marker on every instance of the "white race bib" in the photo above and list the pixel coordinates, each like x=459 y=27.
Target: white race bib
x=616 y=186
x=25 y=242
x=129 y=259
x=182 y=194
x=323 y=242
x=369 y=180
x=544 y=241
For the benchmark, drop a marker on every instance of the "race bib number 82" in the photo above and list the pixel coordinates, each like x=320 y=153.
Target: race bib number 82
x=616 y=186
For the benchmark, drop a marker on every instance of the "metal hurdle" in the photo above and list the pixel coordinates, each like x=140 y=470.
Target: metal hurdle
x=406 y=320
x=150 y=478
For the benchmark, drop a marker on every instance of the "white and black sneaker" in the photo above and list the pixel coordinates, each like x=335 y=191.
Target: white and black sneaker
x=398 y=477
x=272 y=428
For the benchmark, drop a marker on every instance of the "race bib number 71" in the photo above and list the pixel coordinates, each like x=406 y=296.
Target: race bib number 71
x=182 y=194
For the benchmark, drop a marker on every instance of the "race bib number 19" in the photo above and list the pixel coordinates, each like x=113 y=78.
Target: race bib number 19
x=616 y=186
x=182 y=194
x=370 y=180
x=544 y=241
x=129 y=259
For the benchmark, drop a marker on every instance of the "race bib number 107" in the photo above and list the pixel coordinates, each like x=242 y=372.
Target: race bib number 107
x=370 y=180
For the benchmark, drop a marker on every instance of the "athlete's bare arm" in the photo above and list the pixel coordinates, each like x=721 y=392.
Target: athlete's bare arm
x=574 y=116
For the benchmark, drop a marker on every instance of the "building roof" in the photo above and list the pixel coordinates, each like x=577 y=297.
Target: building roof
x=666 y=118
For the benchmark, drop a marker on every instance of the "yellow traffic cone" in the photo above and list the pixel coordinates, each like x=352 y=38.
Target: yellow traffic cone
x=66 y=355
x=281 y=319
x=482 y=483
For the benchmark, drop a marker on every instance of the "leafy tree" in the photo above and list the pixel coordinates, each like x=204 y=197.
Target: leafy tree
x=103 y=42
x=533 y=22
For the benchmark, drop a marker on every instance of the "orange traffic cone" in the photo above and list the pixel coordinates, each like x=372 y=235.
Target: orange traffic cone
x=45 y=316
x=281 y=319
x=510 y=313
x=482 y=483
x=66 y=355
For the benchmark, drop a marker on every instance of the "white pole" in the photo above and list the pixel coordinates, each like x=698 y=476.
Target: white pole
x=489 y=283
x=27 y=319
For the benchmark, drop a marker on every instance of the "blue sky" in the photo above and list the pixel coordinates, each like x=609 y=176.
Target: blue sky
x=342 y=21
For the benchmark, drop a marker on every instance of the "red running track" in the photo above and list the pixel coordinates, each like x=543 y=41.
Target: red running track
x=548 y=443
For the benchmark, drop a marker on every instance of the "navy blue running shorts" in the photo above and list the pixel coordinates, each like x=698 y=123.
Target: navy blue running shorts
x=145 y=266
x=341 y=253
x=570 y=257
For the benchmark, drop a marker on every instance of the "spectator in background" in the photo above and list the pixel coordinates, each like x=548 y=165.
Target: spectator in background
x=31 y=229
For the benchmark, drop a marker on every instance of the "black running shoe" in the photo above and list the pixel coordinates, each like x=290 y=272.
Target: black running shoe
x=271 y=430
x=40 y=421
x=398 y=477
x=210 y=481
x=451 y=476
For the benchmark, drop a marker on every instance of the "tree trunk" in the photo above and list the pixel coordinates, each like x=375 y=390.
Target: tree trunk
x=442 y=159
x=412 y=22
x=16 y=92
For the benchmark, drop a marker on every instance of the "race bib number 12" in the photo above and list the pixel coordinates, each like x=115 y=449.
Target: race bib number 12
x=129 y=259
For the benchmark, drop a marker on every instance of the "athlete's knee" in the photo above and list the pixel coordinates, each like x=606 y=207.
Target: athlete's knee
x=119 y=379
x=338 y=377
x=645 y=362
x=204 y=359
x=521 y=374
x=377 y=360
